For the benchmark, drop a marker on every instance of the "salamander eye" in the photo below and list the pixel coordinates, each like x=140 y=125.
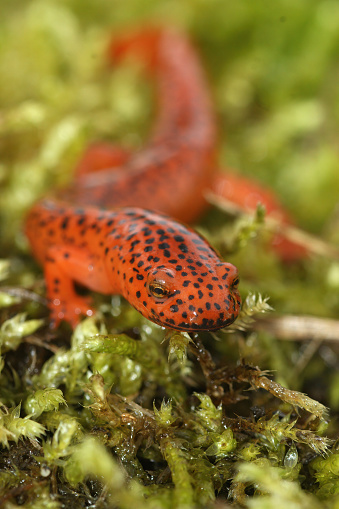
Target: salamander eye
x=158 y=289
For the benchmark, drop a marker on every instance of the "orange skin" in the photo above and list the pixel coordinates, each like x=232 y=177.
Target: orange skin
x=164 y=269
x=170 y=174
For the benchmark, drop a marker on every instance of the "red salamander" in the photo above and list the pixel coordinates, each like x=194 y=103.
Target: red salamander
x=167 y=271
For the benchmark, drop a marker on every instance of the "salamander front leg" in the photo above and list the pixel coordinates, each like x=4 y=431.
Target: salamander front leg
x=63 y=266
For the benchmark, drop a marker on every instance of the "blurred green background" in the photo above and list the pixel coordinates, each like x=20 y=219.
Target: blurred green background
x=273 y=69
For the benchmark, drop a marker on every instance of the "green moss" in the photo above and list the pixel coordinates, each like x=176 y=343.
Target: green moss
x=120 y=412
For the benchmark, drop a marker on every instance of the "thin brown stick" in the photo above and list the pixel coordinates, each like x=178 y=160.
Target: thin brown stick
x=299 y=328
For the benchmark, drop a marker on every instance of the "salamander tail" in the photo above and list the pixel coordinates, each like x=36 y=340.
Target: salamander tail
x=142 y=43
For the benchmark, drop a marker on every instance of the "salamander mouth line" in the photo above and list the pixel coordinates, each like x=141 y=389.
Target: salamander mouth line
x=200 y=328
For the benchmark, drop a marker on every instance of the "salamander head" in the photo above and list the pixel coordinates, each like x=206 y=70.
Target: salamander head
x=175 y=278
x=190 y=303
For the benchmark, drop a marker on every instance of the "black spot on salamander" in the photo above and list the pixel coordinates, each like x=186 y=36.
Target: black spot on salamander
x=183 y=248
x=179 y=238
x=174 y=308
x=64 y=223
x=167 y=253
x=133 y=244
x=170 y=321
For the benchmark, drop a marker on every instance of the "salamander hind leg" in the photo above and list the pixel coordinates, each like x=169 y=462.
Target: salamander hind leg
x=62 y=268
